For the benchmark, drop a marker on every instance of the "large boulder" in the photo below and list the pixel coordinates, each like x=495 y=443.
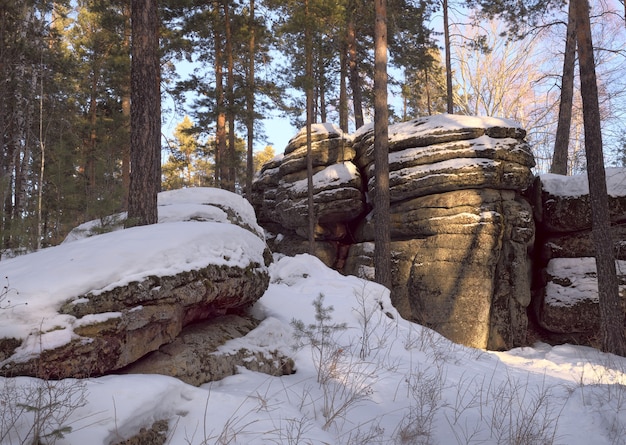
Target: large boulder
x=461 y=228
x=95 y=305
x=195 y=355
x=461 y=265
x=280 y=193
x=566 y=305
x=447 y=152
x=562 y=203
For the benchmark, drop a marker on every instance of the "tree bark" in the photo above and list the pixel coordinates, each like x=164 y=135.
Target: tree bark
x=230 y=87
x=145 y=131
x=220 y=127
x=611 y=309
x=343 y=96
x=446 y=37
x=126 y=113
x=308 y=50
x=250 y=105
x=382 y=241
x=353 y=67
x=321 y=82
x=561 y=142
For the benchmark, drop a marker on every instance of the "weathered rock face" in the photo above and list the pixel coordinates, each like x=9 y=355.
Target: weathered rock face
x=194 y=356
x=115 y=326
x=281 y=193
x=566 y=289
x=455 y=194
x=460 y=227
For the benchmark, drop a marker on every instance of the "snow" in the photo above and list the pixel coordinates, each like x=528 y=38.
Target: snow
x=381 y=380
x=333 y=175
x=578 y=185
x=39 y=283
x=574 y=280
x=433 y=124
x=322 y=128
x=448 y=122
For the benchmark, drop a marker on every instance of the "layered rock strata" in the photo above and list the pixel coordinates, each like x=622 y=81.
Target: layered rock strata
x=566 y=288
x=99 y=331
x=460 y=225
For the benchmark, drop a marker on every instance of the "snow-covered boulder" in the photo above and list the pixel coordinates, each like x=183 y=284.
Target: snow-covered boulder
x=563 y=204
x=569 y=305
x=96 y=304
x=460 y=228
x=195 y=356
x=443 y=153
x=566 y=296
x=281 y=192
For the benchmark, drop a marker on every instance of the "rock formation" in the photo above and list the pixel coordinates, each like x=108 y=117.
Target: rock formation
x=565 y=295
x=194 y=356
x=280 y=193
x=101 y=331
x=460 y=225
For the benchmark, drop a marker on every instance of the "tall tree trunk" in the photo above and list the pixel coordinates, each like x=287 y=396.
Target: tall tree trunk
x=446 y=39
x=90 y=161
x=321 y=81
x=611 y=309
x=561 y=142
x=353 y=67
x=126 y=114
x=220 y=128
x=145 y=128
x=250 y=105
x=343 y=94
x=308 y=85
x=42 y=167
x=230 y=87
x=382 y=241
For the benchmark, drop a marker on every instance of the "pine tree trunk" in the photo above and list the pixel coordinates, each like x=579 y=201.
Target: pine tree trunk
x=230 y=86
x=308 y=50
x=145 y=132
x=343 y=95
x=321 y=82
x=446 y=36
x=250 y=105
x=220 y=128
x=611 y=308
x=382 y=241
x=561 y=142
x=126 y=114
x=353 y=67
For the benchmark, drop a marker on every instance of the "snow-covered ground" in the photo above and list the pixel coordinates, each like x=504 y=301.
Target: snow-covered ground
x=363 y=374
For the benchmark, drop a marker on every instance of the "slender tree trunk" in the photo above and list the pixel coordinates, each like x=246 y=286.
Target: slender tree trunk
x=250 y=105
x=145 y=132
x=446 y=39
x=230 y=86
x=308 y=50
x=90 y=162
x=343 y=94
x=561 y=142
x=321 y=81
x=382 y=241
x=220 y=128
x=353 y=67
x=42 y=169
x=611 y=308
x=126 y=114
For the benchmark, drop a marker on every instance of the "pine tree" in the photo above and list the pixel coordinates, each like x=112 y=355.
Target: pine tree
x=145 y=178
x=611 y=307
x=382 y=240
